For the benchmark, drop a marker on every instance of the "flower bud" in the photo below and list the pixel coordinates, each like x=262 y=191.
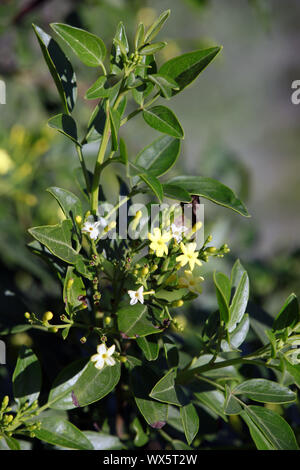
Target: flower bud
x=177 y=303
x=78 y=219
x=211 y=249
x=83 y=340
x=53 y=329
x=70 y=283
x=47 y=316
x=107 y=320
x=145 y=271
x=5 y=402
x=123 y=359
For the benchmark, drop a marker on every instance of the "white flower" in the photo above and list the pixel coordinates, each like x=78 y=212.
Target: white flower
x=104 y=356
x=177 y=232
x=94 y=229
x=136 y=296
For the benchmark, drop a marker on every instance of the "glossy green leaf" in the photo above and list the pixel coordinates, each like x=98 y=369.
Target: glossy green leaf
x=185 y=68
x=166 y=391
x=154 y=412
x=11 y=443
x=152 y=48
x=60 y=432
x=145 y=69
x=238 y=335
x=60 y=68
x=190 y=421
x=176 y=192
x=163 y=120
x=89 y=48
x=74 y=290
x=214 y=400
x=154 y=184
x=60 y=397
x=27 y=378
x=268 y=429
x=66 y=125
x=69 y=203
x=164 y=83
x=289 y=314
x=231 y=405
x=58 y=239
x=103 y=441
x=137 y=320
x=120 y=49
x=236 y=273
x=239 y=303
x=212 y=190
x=96 y=90
x=223 y=286
x=294 y=371
x=149 y=346
x=159 y=156
x=139 y=36
x=265 y=391
x=157 y=25
x=141 y=437
x=94 y=384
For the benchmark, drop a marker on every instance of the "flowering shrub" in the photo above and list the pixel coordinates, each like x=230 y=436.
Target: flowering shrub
x=122 y=284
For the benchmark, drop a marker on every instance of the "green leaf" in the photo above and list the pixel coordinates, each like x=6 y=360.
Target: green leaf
x=159 y=156
x=145 y=69
x=231 y=405
x=74 y=290
x=176 y=192
x=268 y=429
x=212 y=190
x=60 y=68
x=59 y=432
x=214 y=400
x=139 y=36
x=166 y=391
x=163 y=120
x=238 y=335
x=120 y=49
x=155 y=413
x=152 y=48
x=115 y=120
x=157 y=25
x=60 y=397
x=66 y=125
x=12 y=444
x=265 y=391
x=236 y=273
x=154 y=184
x=149 y=346
x=289 y=314
x=27 y=378
x=89 y=48
x=96 y=90
x=79 y=386
x=190 y=421
x=141 y=437
x=58 y=239
x=94 y=384
x=185 y=68
x=239 y=303
x=223 y=286
x=164 y=83
x=294 y=371
x=103 y=441
x=137 y=320
x=69 y=203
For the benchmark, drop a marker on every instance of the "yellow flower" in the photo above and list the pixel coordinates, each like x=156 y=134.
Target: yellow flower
x=190 y=282
x=189 y=255
x=6 y=163
x=159 y=241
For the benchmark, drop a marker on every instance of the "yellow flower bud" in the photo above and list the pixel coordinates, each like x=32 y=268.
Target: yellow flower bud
x=197 y=227
x=83 y=340
x=5 y=402
x=178 y=303
x=107 y=320
x=27 y=315
x=145 y=271
x=70 y=283
x=78 y=219
x=53 y=329
x=47 y=316
x=123 y=359
x=211 y=249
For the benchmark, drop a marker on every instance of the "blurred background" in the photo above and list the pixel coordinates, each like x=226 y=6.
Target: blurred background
x=240 y=125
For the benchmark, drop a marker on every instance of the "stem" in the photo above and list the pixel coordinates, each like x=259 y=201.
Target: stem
x=139 y=110
x=84 y=169
x=99 y=161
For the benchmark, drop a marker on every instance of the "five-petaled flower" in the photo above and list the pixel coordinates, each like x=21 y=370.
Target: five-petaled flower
x=193 y=283
x=159 y=241
x=178 y=231
x=189 y=255
x=94 y=228
x=104 y=356
x=136 y=296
